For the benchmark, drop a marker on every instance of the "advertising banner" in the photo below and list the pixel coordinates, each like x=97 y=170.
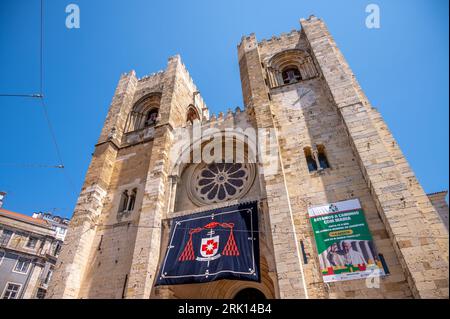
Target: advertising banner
x=344 y=243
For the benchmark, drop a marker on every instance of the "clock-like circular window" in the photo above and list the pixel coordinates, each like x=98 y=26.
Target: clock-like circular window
x=218 y=182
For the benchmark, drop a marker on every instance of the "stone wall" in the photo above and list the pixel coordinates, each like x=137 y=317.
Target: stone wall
x=111 y=255
x=410 y=221
x=440 y=204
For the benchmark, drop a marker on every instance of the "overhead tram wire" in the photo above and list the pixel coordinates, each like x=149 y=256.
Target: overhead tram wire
x=43 y=104
x=40 y=96
x=32 y=165
x=22 y=95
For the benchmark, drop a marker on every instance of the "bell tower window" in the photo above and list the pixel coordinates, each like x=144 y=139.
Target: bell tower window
x=290 y=75
x=150 y=118
x=288 y=67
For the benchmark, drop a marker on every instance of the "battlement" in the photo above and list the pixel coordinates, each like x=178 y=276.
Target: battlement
x=282 y=37
x=230 y=119
x=199 y=100
x=250 y=39
x=154 y=82
x=151 y=76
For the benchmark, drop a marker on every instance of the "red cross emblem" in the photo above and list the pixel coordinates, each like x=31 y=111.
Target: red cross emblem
x=209 y=246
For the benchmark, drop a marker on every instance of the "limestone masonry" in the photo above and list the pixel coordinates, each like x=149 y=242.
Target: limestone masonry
x=331 y=145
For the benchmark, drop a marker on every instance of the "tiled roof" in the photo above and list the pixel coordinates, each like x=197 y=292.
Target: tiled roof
x=24 y=218
x=435 y=193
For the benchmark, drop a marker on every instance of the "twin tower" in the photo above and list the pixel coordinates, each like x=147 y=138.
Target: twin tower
x=327 y=144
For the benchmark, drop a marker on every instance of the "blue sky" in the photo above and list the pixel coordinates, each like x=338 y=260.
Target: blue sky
x=402 y=67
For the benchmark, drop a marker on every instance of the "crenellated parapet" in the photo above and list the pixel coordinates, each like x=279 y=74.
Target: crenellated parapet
x=283 y=37
x=236 y=118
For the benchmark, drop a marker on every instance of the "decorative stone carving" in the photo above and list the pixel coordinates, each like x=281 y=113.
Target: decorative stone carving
x=218 y=182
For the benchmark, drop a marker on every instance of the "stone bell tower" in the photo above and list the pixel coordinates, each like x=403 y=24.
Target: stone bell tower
x=327 y=145
x=113 y=242
x=335 y=146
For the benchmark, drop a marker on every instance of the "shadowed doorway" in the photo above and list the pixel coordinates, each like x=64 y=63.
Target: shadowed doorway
x=249 y=294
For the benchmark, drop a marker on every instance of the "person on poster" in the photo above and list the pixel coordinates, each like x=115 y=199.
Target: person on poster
x=352 y=257
x=335 y=256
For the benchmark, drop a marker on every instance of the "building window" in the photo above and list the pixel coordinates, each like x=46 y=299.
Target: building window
x=219 y=182
x=11 y=291
x=150 y=118
x=290 y=75
x=322 y=157
x=41 y=293
x=31 y=243
x=124 y=201
x=48 y=277
x=128 y=200
x=6 y=236
x=57 y=249
x=310 y=160
x=144 y=113
x=316 y=159
x=22 y=265
x=132 y=200
x=290 y=66
x=192 y=115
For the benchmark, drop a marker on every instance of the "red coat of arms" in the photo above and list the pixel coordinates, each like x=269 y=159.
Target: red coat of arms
x=209 y=246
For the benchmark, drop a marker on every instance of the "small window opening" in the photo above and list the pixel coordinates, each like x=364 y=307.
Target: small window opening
x=57 y=249
x=291 y=75
x=124 y=201
x=132 y=200
x=31 y=243
x=151 y=117
x=322 y=157
x=192 y=115
x=310 y=161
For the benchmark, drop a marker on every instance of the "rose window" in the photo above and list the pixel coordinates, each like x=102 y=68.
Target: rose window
x=222 y=181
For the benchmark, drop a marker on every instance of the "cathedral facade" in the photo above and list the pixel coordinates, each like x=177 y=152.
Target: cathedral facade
x=307 y=137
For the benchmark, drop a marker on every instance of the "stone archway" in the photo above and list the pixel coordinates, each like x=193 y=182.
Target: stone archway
x=249 y=294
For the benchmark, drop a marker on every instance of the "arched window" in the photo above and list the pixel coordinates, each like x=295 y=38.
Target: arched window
x=192 y=115
x=322 y=157
x=310 y=161
x=291 y=74
x=144 y=113
x=289 y=66
x=150 y=117
x=127 y=201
